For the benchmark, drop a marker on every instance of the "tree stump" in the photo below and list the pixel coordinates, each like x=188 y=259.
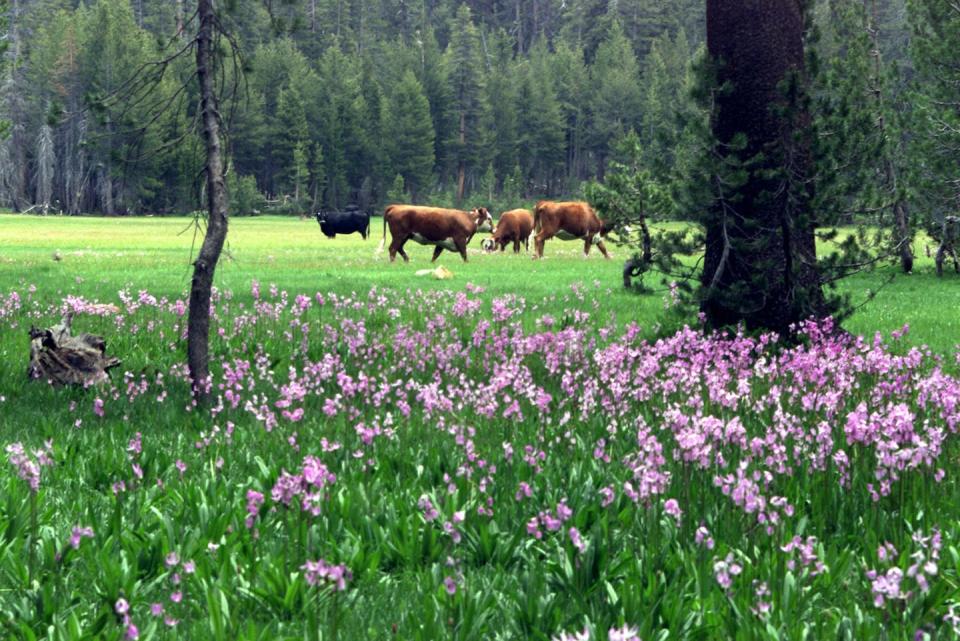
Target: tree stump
x=63 y=359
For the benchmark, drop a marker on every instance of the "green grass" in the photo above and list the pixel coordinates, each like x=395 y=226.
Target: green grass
x=102 y=255
x=406 y=346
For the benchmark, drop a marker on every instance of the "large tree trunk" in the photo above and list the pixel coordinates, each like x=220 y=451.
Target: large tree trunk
x=760 y=264
x=198 y=323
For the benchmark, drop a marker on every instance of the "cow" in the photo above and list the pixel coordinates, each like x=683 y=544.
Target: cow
x=351 y=220
x=568 y=221
x=449 y=229
x=514 y=226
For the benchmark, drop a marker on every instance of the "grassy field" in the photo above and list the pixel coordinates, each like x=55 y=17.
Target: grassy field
x=503 y=455
x=102 y=255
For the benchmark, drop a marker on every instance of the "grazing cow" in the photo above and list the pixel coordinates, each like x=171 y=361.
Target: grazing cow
x=568 y=221
x=514 y=226
x=351 y=220
x=449 y=229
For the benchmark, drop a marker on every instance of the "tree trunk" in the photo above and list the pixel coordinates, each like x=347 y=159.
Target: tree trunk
x=179 y=18
x=760 y=264
x=198 y=323
x=462 y=164
x=899 y=205
x=519 y=22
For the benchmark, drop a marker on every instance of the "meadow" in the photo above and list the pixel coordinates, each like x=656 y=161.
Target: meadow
x=525 y=451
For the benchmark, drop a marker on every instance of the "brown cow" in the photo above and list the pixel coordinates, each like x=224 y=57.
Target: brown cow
x=449 y=229
x=568 y=221
x=514 y=225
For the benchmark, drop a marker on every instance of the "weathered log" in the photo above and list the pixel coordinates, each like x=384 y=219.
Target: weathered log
x=63 y=359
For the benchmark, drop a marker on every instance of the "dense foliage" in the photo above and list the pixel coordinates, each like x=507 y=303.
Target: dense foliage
x=338 y=99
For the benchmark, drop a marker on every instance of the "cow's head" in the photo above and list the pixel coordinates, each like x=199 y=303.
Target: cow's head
x=482 y=217
x=605 y=228
x=488 y=245
x=322 y=219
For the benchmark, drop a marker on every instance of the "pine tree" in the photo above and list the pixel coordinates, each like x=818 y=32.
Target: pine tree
x=617 y=101
x=291 y=139
x=318 y=177
x=935 y=46
x=4 y=124
x=397 y=194
x=572 y=79
x=540 y=122
x=467 y=150
x=501 y=90
x=760 y=264
x=409 y=136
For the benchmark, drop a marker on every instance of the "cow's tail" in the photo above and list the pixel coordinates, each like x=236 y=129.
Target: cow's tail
x=383 y=241
x=536 y=218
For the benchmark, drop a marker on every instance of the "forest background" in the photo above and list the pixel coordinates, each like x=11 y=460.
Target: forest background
x=368 y=101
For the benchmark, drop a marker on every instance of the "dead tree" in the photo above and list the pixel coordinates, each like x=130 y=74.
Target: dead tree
x=63 y=359
x=198 y=322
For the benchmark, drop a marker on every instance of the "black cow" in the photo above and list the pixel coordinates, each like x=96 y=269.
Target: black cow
x=351 y=220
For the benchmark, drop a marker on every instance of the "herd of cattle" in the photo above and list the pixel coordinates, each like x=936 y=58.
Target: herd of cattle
x=453 y=229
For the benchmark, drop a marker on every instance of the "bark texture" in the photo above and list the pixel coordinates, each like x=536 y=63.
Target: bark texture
x=198 y=324
x=760 y=264
x=63 y=359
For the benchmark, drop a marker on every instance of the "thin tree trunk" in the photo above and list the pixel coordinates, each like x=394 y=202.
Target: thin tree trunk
x=462 y=165
x=179 y=18
x=519 y=20
x=198 y=323
x=899 y=205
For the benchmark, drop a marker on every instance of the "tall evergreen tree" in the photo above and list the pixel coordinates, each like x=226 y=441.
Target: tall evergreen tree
x=936 y=55
x=760 y=264
x=572 y=79
x=501 y=85
x=409 y=136
x=291 y=138
x=4 y=23
x=616 y=101
x=467 y=148
x=540 y=123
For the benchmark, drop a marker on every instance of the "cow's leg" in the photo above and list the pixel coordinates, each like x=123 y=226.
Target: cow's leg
x=402 y=253
x=603 y=249
x=462 y=248
x=586 y=246
x=538 y=242
x=396 y=246
x=503 y=245
x=437 y=250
